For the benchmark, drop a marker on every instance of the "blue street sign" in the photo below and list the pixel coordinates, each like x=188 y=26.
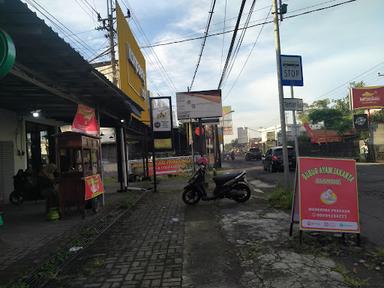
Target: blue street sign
x=291 y=70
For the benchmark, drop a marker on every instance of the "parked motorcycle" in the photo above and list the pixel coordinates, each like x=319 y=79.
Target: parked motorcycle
x=232 y=186
x=26 y=188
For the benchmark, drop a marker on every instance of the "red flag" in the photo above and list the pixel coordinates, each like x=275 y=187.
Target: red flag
x=85 y=120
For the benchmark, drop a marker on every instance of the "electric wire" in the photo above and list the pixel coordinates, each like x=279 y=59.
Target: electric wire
x=60 y=26
x=224 y=26
x=91 y=7
x=232 y=43
x=204 y=41
x=240 y=41
x=84 y=9
x=161 y=67
x=249 y=55
x=345 y=84
x=165 y=43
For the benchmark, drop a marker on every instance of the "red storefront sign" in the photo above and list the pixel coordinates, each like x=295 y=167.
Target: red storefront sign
x=85 y=120
x=368 y=97
x=93 y=186
x=328 y=195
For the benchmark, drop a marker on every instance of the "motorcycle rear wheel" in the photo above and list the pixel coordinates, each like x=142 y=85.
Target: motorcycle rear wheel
x=16 y=199
x=246 y=195
x=191 y=197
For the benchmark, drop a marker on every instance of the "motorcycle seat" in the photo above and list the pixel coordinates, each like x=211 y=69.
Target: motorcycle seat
x=221 y=179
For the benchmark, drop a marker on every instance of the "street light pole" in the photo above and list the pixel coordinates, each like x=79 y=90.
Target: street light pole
x=281 y=93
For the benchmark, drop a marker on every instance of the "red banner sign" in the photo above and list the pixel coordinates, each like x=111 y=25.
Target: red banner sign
x=164 y=166
x=85 y=121
x=328 y=195
x=368 y=97
x=93 y=186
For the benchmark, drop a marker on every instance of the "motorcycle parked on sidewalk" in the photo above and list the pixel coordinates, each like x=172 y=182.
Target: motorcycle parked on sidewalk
x=232 y=186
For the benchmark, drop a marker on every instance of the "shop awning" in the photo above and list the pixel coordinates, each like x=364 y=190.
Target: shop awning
x=49 y=75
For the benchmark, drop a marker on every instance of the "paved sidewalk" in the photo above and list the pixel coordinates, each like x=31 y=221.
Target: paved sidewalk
x=28 y=240
x=142 y=250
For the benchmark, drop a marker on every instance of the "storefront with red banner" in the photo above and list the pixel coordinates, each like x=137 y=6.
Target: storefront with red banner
x=42 y=91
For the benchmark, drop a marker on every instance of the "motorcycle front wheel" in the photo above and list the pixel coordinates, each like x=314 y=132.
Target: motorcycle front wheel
x=15 y=198
x=191 y=197
x=245 y=195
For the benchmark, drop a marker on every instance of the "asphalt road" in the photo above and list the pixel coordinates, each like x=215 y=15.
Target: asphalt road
x=371 y=193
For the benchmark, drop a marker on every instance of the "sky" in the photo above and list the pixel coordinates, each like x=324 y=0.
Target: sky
x=338 y=45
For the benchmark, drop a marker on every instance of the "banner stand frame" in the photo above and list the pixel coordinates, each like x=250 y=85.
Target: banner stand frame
x=301 y=232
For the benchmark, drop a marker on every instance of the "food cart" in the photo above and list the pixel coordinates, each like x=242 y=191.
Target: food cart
x=79 y=164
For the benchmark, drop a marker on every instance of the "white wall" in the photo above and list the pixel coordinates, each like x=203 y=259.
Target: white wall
x=12 y=129
x=378 y=135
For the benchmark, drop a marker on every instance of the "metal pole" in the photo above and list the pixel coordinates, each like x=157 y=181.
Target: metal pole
x=111 y=37
x=100 y=154
x=201 y=137
x=295 y=128
x=126 y=157
x=190 y=134
x=122 y=147
x=281 y=93
x=153 y=147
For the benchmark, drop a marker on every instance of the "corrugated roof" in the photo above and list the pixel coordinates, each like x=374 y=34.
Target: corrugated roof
x=45 y=64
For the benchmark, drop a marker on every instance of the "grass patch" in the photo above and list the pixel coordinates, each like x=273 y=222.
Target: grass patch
x=281 y=197
x=351 y=281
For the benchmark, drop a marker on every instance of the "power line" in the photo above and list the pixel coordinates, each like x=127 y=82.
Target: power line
x=224 y=22
x=91 y=7
x=59 y=25
x=232 y=43
x=161 y=67
x=250 y=26
x=84 y=9
x=249 y=54
x=349 y=81
x=204 y=41
x=240 y=41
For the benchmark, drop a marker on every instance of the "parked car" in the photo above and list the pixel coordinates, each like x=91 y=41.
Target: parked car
x=273 y=159
x=253 y=154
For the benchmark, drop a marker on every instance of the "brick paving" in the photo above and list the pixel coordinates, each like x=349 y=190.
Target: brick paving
x=143 y=249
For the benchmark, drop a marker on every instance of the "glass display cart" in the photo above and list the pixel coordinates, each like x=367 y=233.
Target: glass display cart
x=79 y=164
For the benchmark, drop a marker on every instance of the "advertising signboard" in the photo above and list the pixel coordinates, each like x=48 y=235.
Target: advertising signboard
x=161 y=122
x=367 y=97
x=291 y=70
x=162 y=118
x=242 y=135
x=199 y=104
x=328 y=195
x=227 y=120
x=93 y=186
x=7 y=53
x=164 y=166
x=360 y=121
x=132 y=66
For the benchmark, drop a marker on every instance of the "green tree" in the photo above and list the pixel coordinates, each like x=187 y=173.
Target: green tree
x=335 y=114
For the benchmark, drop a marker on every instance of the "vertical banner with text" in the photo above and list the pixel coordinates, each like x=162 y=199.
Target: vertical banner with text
x=162 y=123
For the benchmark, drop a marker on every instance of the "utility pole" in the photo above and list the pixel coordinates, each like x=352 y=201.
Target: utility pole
x=281 y=92
x=107 y=24
x=295 y=127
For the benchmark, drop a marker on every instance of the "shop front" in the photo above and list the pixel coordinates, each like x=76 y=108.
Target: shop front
x=41 y=93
